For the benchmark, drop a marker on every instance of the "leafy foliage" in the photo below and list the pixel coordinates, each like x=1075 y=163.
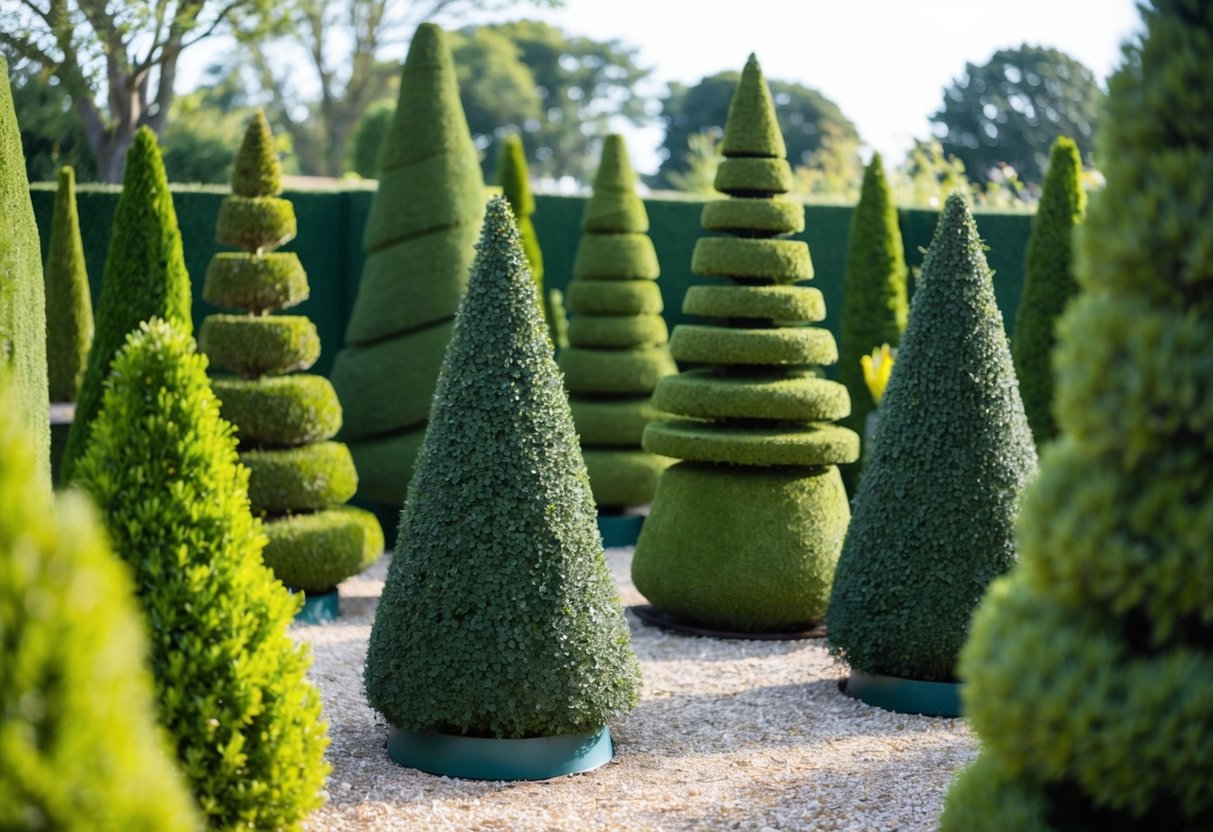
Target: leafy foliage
x=69 y=306
x=515 y=184
x=51 y=132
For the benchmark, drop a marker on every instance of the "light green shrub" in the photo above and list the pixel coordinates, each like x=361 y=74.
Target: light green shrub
x=515 y=185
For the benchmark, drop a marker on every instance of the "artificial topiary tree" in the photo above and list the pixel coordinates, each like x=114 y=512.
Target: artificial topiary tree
x=298 y=478
x=935 y=508
x=232 y=689
x=420 y=239
x=1089 y=671
x=79 y=726
x=499 y=617
x=516 y=186
x=874 y=305
x=1049 y=284
x=144 y=277
x=744 y=533
x=617 y=338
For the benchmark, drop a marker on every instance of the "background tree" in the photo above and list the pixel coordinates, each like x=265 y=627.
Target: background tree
x=51 y=132
x=927 y=175
x=1013 y=107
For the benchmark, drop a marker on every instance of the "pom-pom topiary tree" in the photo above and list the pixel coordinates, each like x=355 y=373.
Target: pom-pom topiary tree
x=1089 y=671
x=745 y=532
x=1049 y=284
x=499 y=617
x=144 y=277
x=420 y=239
x=79 y=726
x=299 y=479
x=617 y=340
x=935 y=509
x=163 y=468
x=515 y=185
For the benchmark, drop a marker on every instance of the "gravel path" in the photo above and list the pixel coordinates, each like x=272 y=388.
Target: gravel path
x=728 y=735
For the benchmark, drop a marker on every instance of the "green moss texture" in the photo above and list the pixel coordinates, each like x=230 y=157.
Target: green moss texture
x=936 y=506
x=1088 y=672
x=499 y=616
x=744 y=533
x=515 y=184
x=69 y=306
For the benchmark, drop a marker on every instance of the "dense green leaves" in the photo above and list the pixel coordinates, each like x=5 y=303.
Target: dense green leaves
x=69 y=307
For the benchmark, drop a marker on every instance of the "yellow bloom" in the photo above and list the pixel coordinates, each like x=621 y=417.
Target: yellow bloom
x=876 y=370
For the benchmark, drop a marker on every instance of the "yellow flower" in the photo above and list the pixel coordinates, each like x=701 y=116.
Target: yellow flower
x=876 y=370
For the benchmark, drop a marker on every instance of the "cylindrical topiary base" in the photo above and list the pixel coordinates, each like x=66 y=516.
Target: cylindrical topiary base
x=320 y=608
x=904 y=696
x=487 y=758
x=619 y=530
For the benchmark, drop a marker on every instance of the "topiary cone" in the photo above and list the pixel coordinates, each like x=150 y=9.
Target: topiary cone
x=231 y=686
x=516 y=187
x=419 y=243
x=617 y=338
x=298 y=479
x=499 y=534
x=69 y=307
x=744 y=533
x=1088 y=672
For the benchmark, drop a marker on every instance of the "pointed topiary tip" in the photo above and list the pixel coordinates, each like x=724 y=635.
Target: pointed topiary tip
x=615 y=168
x=143 y=145
x=67 y=177
x=256 y=171
x=428 y=47
x=752 y=130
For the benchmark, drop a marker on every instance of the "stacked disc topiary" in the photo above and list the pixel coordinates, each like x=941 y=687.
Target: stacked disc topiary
x=285 y=420
x=617 y=346
x=744 y=533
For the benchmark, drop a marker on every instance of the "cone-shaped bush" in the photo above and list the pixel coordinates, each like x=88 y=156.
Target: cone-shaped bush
x=162 y=467
x=744 y=533
x=298 y=480
x=499 y=616
x=1049 y=284
x=22 y=294
x=1089 y=671
x=420 y=239
x=617 y=337
x=936 y=505
x=515 y=184
x=79 y=724
x=874 y=305
x=144 y=278
x=69 y=308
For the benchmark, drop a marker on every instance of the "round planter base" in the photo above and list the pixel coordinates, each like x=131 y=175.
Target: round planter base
x=904 y=696
x=486 y=758
x=619 y=530
x=655 y=617
x=320 y=609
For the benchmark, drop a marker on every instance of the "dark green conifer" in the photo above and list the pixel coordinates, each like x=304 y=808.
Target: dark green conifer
x=499 y=534
x=1089 y=672
x=69 y=308
x=515 y=184
x=744 y=533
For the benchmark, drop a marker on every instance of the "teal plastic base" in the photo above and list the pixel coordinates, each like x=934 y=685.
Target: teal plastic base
x=319 y=609
x=619 y=529
x=480 y=758
x=905 y=696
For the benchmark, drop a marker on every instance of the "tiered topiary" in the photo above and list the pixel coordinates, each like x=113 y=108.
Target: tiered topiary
x=744 y=534
x=22 y=294
x=79 y=725
x=499 y=617
x=144 y=277
x=617 y=338
x=874 y=305
x=1090 y=669
x=1049 y=284
x=420 y=239
x=232 y=688
x=515 y=185
x=299 y=479
x=936 y=506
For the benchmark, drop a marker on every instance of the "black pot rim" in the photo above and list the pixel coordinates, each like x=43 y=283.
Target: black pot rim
x=659 y=618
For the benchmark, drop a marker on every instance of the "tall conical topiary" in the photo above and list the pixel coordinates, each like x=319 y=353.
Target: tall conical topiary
x=22 y=295
x=144 y=277
x=299 y=480
x=515 y=185
x=69 y=307
x=499 y=616
x=420 y=239
x=744 y=533
x=232 y=689
x=1049 y=284
x=79 y=725
x=1089 y=671
x=874 y=306
x=617 y=338
x=936 y=506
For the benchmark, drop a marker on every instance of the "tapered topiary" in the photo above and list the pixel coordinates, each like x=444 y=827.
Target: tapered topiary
x=1049 y=284
x=1089 y=671
x=936 y=506
x=515 y=184
x=420 y=239
x=298 y=479
x=874 y=303
x=69 y=308
x=79 y=726
x=22 y=294
x=499 y=616
x=617 y=337
x=163 y=468
x=744 y=533
x=144 y=277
